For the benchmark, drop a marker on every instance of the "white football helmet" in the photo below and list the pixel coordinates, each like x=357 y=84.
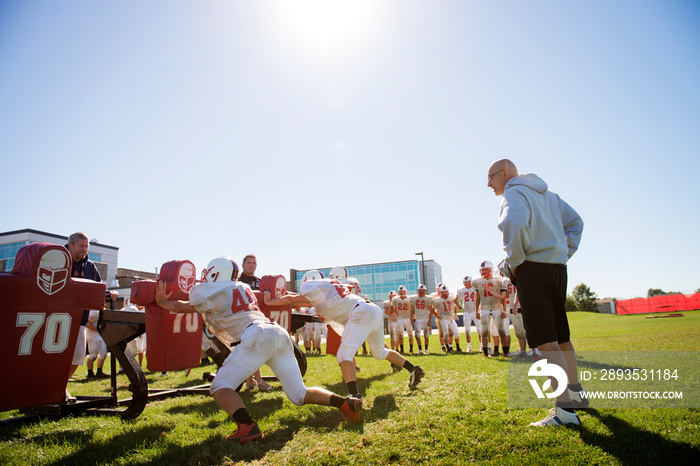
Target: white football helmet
x=403 y=291
x=392 y=293
x=312 y=275
x=422 y=290
x=486 y=270
x=443 y=291
x=221 y=269
x=339 y=272
x=467 y=281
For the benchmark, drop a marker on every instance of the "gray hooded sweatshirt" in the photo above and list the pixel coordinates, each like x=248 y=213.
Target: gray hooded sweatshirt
x=537 y=225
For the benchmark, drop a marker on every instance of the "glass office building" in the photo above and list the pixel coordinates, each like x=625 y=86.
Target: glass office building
x=13 y=241
x=377 y=280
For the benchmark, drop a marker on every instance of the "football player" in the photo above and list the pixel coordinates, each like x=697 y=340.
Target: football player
x=446 y=310
x=402 y=305
x=392 y=321
x=516 y=318
x=361 y=320
x=340 y=273
x=466 y=298
x=423 y=309
x=441 y=338
x=230 y=310
x=96 y=347
x=490 y=303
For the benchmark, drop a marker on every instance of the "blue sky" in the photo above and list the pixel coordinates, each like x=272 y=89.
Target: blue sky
x=325 y=133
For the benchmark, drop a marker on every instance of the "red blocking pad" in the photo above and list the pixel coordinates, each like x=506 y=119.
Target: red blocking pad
x=40 y=311
x=276 y=285
x=174 y=340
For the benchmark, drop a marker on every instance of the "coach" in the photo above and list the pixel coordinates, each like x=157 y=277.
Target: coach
x=540 y=233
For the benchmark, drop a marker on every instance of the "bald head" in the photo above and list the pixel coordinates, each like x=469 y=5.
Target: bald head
x=500 y=172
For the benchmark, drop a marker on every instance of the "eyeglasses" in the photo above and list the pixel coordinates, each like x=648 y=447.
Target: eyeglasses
x=490 y=177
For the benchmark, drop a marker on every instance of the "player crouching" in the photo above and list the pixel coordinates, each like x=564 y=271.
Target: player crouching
x=362 y=321
x=230 y=310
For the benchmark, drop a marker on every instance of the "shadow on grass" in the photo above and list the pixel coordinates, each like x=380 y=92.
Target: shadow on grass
x=93 y=452
x=634 y=446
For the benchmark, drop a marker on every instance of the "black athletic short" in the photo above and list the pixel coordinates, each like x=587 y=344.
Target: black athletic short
x=542 y=295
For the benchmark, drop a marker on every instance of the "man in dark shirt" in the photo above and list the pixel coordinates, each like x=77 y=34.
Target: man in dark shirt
x=250 y=263
x=82 y=267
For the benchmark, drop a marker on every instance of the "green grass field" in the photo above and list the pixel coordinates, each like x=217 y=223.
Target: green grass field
x=459 y=415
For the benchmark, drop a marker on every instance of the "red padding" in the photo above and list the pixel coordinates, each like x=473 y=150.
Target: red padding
x=174 y=340
x=40 y=311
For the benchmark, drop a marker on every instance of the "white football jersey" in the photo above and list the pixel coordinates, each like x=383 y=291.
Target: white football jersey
x=402 y=306
x=510 y=302
x=486 y=288
x=468 y=297
x=444 y=307
x=393 y=316
x=332 y=300
x=227 y=308
x=421 y=306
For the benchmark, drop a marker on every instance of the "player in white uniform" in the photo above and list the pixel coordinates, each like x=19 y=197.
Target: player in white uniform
x=231 y=312
x=320 y=331
x=490 y=303
x=422 y=310
x=137 y=346
x=516 y=318
x=403 y=307
x=392 y=321
x=467 y=299
x=309 y=336
x=446 y=311
x=441 y=337
x=340 y=273
x=96 y=347
x=361 y=320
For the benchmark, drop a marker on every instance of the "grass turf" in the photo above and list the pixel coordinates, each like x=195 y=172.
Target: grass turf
x=458 y=415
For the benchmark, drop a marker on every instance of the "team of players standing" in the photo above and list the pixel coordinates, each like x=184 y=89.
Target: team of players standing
x=490 y=302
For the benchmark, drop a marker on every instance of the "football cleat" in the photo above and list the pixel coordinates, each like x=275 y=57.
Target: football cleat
x=246 y=433
x=264 y=386
x=579 y=398
x=415 y=377
x=395 y=367
x=558 y=417
x=352 y=409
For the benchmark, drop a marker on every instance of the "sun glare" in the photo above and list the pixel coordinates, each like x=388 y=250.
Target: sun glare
x=325 y=29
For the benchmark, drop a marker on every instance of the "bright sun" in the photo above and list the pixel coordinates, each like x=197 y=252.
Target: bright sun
x=325 y=29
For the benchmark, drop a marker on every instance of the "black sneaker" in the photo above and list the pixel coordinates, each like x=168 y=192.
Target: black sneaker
x=415 y=377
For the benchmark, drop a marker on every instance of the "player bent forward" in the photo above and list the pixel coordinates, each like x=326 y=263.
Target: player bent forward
x=362 y=321
x=230 y=310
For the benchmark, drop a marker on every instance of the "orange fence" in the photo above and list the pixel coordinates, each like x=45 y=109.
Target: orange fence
x=659 y=304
